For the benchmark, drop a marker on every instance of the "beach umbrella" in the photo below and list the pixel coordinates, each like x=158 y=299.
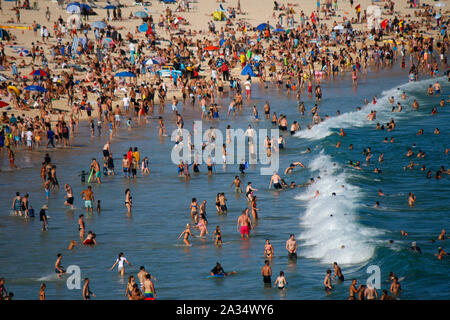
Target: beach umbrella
x=14 y=89
x=23 y=52
x=143 y=27
x=279 y=30
x=151 y=62
x=40 y=73
x=3 y=104
x=248 y=71
x=211 y=48
x=107 y=41
x=35 y=88
x=125 y=74
x=110 y=6
x=169 y=1
x=439 y=4
x=263 y=26
x=98 y=25
x=339 y=27
x=257 y=58
x=140 y=14
x=73 y=9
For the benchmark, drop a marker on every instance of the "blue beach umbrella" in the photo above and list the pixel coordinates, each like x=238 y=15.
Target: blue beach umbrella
x=110 y=7
x=125 y=74
x=98 y=25
x=140 y=14
x=143 y=27
x=263 y=26
x=73 y=9
x=35 y=88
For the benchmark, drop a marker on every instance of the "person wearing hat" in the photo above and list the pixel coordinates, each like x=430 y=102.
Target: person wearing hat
x=415 y=248
x=43 y=217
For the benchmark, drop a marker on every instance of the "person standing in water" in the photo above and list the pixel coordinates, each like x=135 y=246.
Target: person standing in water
x=327 y=282
x=120 y=262
x=292 y=246
x=266 y=273
x=88 y=197
x=58 y=267
x=245 y=224
x=338 y=272
x=149 y=288
x=281 y=282
x=42 y=292
x=276 y=181
x=187 y=232
x=128 y=200
x=69 y=196
x=86 y=292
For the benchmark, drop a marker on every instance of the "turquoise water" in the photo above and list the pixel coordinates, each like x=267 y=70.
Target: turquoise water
x=161 y=206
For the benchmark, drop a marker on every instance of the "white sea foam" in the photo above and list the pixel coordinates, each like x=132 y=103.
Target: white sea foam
x=359 y=118
x=323 y=235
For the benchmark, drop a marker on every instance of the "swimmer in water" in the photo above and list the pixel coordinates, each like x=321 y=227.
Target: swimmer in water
x=187 y=232
x=337 y=272
x=281 y=282
x=268 y=250
x=292 y=166
x=327 y=282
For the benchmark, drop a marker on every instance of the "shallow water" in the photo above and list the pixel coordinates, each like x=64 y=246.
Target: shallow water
x=161 y=206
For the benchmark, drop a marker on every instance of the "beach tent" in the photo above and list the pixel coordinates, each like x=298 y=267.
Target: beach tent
x=218 y=16
x=74 y=20
x=4 y=35
x=248 y=71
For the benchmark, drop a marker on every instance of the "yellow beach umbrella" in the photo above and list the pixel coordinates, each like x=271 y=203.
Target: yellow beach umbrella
x=14 y=89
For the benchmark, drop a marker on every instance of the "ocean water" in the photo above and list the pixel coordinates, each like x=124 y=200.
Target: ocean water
x=322 y=225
